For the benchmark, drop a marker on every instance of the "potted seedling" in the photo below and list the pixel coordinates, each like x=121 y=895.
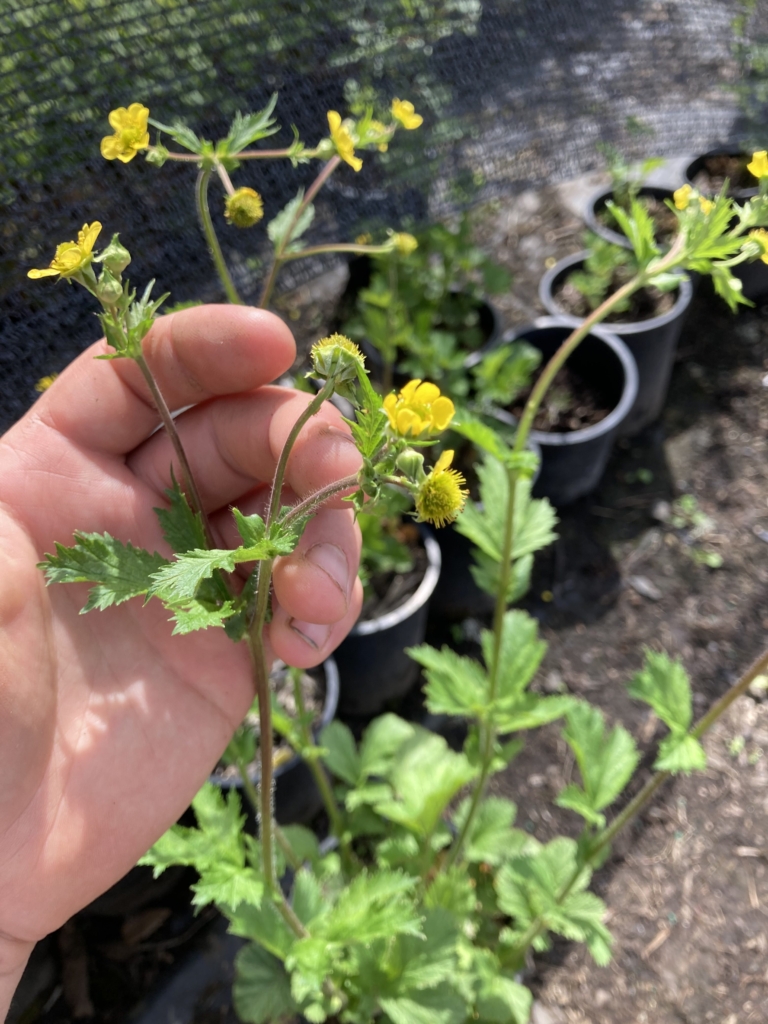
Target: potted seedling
x=627 y=184
x=648 y=321
x=422 y=310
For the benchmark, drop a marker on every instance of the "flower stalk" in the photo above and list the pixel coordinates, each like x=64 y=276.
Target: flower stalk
x=201 y=200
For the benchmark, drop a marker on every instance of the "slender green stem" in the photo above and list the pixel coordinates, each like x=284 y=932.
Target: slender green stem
x=224 y=178
x=201 y=198
x=312 y=191
x=170 y=427
x=318 y=771
x=639 y=801
x=314 y=501
x=317 y=250
x=253 y=799
x=277 y=484
x=388 y=368
x=272 y=154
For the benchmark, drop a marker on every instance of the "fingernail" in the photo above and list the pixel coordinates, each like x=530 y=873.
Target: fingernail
x=332 y=560
x=313 y=634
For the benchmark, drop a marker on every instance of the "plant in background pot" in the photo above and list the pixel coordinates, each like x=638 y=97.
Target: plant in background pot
x=648 y=321
x=421 y=311
x=739 y=174
x=626 y=185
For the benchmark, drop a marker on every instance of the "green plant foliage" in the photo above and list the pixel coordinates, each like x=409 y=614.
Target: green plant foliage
x=182 y=528
x=262 y=988
x=664 y=684
x=284 y=237
x=505 y=372
x=606 y=762
x=119 y=571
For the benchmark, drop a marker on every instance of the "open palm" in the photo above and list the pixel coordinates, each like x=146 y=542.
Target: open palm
x=108 y=725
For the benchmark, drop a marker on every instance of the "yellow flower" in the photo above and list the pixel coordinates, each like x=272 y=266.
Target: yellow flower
x=442 y=496
x=402 y=111
x=45 y=382
x=405 y=244
x=707 y=206
x=682 y=196
x=343 y=141
x=244 y=208
x=759 y=165
x=131 y=133
x=418 y=409
x=364 y=239
x=760 y=235
x=71 y=257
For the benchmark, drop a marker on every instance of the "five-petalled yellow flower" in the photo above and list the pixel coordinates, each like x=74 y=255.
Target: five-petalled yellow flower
x=403 y=111
x=131 y=134
x=418 y=409
x=343 y=141
x=442 y=496
x=71 y=257
x=759 y=165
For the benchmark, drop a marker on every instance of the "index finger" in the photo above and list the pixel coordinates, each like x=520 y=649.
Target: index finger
x=195 y=354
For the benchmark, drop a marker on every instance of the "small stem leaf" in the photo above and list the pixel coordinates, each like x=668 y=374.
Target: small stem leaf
x=278 y=228
x=680 y=754
x=520 y=654
x=120 y=571
x=664 y=684
x=340 y=755
x=455 y=685
x=606 y=762
x=182 y=528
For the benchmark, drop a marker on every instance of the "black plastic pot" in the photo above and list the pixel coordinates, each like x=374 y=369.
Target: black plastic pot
x=652 y=343
x=572 y=463
x=698 y=164
x=596 y=206
x=297 y=799
x=374 y=670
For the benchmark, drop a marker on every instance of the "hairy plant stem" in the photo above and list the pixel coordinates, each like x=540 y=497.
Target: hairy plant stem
x=318 y=772
x=188 y=480
x=571 y=343
x=314 y=501
x=201 y=199
x=253 y=799
x=639 y=801
x=278 y=261
x=224 y=178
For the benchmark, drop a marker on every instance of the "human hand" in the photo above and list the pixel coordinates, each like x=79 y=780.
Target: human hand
x=108 y=724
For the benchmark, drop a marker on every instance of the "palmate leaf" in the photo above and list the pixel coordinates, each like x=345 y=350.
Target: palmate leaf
x=374 y=905
x=606 y=762
x=262 y=988
x=248 y=128
x=120 y=571
x=425 y=777
x=456 y=685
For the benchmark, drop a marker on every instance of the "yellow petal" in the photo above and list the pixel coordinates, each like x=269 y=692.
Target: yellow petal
x=354 y=161
x=444 y=461
x=126 y=155
x=36 y=274
x=334 y=120
x=442 y=412
x=118 y=119
x=682 y=196
x=110 y=147
x=409 y=423
x=88 y=235
x=138 y=113
x=407 y=392
x=426 y=393
x=759 y=164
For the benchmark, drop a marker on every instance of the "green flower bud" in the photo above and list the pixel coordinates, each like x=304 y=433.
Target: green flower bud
x=108 y=290
x=115 y=257
x=157 y=155
x=411 y=464
x=337 y=357
x=244 y=208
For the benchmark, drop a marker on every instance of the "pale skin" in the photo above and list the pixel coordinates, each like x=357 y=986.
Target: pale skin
x=108 y=724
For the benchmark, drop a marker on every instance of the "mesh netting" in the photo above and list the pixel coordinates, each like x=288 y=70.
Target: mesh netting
x=515 y=93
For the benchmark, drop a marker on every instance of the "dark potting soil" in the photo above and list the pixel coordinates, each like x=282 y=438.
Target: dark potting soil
x=570 y=404
x=282 y=686
x=664 y=220
x=716 y=169
x=389 y=590
x=645 y=304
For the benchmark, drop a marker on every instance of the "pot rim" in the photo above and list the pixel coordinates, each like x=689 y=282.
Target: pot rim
x=330 y=705
x=604 y=193
x=547 y=298
x=420 y=597
x=738 y=193
x=617 y=415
